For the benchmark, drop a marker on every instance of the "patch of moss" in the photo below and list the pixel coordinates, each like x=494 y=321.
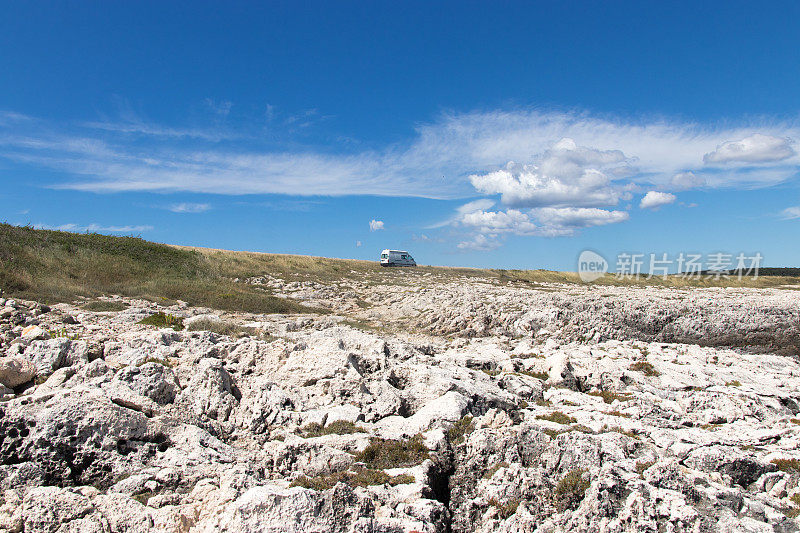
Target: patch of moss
x=389 y=453
x=558 y=417
x=163 y=320
x=340 y=427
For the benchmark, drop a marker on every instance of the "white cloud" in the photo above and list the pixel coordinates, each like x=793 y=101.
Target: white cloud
x=511 y=220
x=687 y=180
x=756 y=148
x=358 y=244
x=480 y=243
x=565 y=175
x=578 y=217
x=606 y=156
x=791 y=213
x=655 y=199
x=94 y=228
x=375 y=225
x=189 y=208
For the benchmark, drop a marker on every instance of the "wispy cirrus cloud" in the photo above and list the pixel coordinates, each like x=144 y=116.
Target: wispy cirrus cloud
x=94 y=228
x=188 y=207
x=437 y=162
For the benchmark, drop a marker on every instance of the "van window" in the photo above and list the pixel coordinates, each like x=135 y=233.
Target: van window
x=384 y=256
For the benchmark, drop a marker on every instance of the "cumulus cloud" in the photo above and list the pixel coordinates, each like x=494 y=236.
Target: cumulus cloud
x=94 y=228
x=565 y=175
x=375 y=225
x=358 y=244
x=756 y=148
x=188 y=208
x=791 y=213
x=655 y=199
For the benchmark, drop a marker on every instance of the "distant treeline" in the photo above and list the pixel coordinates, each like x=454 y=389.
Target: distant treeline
x=764 y=271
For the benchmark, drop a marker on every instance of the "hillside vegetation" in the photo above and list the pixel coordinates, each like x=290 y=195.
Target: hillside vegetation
x=55 y=266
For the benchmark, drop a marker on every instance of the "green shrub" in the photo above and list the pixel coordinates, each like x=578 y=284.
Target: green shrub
x=389 y=453
x=340 y=427
x=571 y=489
x=461 y=428
x=162 y=320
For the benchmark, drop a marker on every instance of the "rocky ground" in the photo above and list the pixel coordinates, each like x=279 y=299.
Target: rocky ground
x=435 y=405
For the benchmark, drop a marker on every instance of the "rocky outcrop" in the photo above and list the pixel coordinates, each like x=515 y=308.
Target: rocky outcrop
x=514 y=409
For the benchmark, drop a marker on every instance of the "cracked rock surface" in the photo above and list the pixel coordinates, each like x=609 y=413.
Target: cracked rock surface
x=439 y=405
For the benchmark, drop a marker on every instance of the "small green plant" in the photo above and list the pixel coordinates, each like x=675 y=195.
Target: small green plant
x=163 y=320
x=339 y=427
x=389 y=453
x=493 y=470
x=571 y=489
x=794 y=512
x=544 y=403
x=645 y=368
x=558 y=417
x=553 y=433
x=734 y=383
x=787 y=465
x=491 y=372
x=461 y=428
x=61 y=333
x=504 y=509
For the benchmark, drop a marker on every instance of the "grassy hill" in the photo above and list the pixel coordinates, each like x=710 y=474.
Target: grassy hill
x=53 y=266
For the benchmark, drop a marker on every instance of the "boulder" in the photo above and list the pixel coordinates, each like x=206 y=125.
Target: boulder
x=16 y=370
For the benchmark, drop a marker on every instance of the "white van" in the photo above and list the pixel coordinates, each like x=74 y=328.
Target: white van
x=399 y=258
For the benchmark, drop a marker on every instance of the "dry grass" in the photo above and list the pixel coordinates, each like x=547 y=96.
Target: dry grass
x=360 y=477
x=571 y=490
x=645 y=368
x=57 y=266
x=558 y=417
x=388 y=453
x=340 y=427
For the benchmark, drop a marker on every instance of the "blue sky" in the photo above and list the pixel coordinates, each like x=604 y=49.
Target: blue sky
x=503 y=134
